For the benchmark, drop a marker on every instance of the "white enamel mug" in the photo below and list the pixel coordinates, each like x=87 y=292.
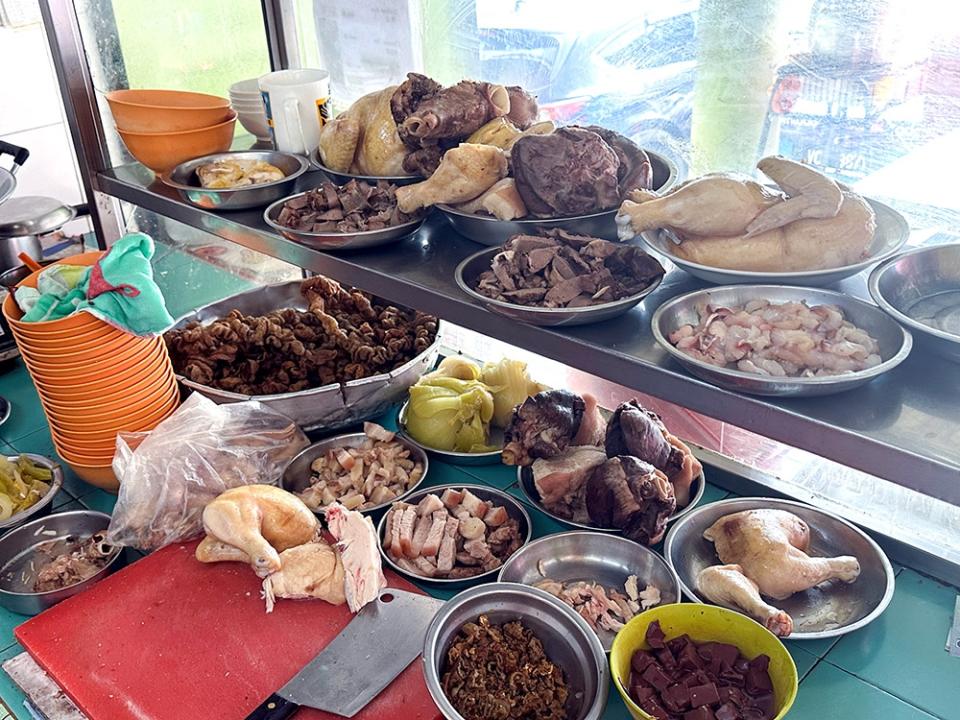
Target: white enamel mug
x=297 y=103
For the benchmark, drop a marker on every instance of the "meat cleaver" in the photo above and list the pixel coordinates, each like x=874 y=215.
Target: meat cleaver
x=353 y=669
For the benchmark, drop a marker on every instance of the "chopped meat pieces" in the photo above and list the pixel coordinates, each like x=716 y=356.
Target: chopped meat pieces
x=354 y=207
x=603 y=608
x=71 y=561
x=543 y=426
x=501 y=672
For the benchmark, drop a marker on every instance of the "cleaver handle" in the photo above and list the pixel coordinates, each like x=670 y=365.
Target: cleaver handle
x=274 y=708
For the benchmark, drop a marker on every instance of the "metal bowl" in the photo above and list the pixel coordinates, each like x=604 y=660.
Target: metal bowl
x=591 y=556
x=183 y=178
x=828 y=610
x=451 y=456
x=43 y=506
x=470 y=269
x=340 y=178
x=329 y=407
x=488 y=230
x=18 y=548
x=514 y=509
x=921 y=289
x=891 y=234
x=296 y=476
x=337 y=240
x=529 y=489
x=895 y=342
x=567 y=641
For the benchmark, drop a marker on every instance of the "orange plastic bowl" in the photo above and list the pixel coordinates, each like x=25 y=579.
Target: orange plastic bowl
x=128 y=383
x=70 y=376
x=153 y=111
x=100 y=335
x=133 y=349
x=83 y=426
x=163 y=151
x=113 y=404
x=99 y=473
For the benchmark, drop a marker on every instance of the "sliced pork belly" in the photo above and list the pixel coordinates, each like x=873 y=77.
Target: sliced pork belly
x=431 y=546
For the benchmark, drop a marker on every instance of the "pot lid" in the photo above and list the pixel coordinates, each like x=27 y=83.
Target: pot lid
x=33 y=215
x=8 y=183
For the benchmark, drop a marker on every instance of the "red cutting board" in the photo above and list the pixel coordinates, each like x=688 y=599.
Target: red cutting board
x=169 y=638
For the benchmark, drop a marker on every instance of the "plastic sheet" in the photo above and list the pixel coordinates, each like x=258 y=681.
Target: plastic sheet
x=168 y=476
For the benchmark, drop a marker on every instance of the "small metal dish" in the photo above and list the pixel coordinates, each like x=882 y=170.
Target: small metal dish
x=828 y=610
x=183 y=178
x=567 y=641
x=451 y=456
x=514 y=509
x=921 y=289
x=895 y=342
x=43 y=506
x=340 y=178
x=335 y=240
x=19 y=547
x=296 y=476
x=470 y=269
x=891 y=234
x=592 y=557
x=488 y=230
x=529 y=489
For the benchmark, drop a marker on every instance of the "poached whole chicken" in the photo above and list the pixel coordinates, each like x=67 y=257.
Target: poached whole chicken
x=364 y=138
x=728 y=221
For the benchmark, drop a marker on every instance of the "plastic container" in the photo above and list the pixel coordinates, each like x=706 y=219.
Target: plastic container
x=163 y=151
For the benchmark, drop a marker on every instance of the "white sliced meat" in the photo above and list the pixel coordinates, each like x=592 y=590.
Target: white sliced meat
x=407 y=523
x=496 y=516
x=448 y=546
x=451 y=497
x=429 y=505
x=420 y=533
x=474 y=505
x=432 y=544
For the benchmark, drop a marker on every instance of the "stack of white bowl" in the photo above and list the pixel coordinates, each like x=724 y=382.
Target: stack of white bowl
x=245 y=98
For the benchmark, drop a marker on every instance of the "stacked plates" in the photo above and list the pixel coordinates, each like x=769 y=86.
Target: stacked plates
x=94 y=381
x=245 y=98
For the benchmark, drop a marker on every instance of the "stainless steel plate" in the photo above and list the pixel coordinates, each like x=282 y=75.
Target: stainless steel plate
x=891 y=234
x=470 y=269
x=592 y=557
x=828 y=610
x=183 y=178
x=296 y=476
x=33 y=215
x=339 y=241
x=529 y=488
x=514 y=509
x=343 y=178
x=567 y=641
x=895 y=342
x=330 y=407
x=43 y=505
x=451 y=456
x=488 y=230
x=921 y=289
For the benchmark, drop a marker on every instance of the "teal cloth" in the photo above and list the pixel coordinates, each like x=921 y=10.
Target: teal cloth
x=120 y=290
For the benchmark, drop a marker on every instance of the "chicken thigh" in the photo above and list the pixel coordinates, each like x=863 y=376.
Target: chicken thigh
x=727 y=585
x=770 y=547
x=314 y=570
x=465 y=172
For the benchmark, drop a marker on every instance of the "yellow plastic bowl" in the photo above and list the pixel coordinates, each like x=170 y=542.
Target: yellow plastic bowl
x=704 y=623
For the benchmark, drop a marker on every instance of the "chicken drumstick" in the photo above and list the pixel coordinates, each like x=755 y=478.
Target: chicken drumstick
x=727 y=585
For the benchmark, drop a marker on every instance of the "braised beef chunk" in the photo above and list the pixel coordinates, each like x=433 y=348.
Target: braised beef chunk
x=628 y=494
x=523 y=107
x=662 y=682
x=543 y=426
x=635 y=169
x=634 y=430
x=571 y=171
x=353 y=207
x=407 y=97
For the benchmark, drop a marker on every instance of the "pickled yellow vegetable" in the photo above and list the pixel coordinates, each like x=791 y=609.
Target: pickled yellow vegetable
x=450 y=414
x=22 y=484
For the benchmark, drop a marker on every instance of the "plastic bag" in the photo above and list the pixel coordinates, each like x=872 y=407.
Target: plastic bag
x=168 y=476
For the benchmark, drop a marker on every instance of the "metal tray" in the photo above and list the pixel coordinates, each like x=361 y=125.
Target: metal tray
x=488 y=230
x=529 y=489
x=514 y=509
x=468 y=271
x=329 y=407
x=340 y=178
x=921 y=289
x=335 y=240
x=296 y=476
x=591 y=556
x=829 y=610
x=183 y=178
x=895 y=342
x=451 y=456
x=891 y=234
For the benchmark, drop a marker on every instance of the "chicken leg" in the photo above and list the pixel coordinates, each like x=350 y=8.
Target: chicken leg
x=770 y=546
x=465 y=172
x=727 y=585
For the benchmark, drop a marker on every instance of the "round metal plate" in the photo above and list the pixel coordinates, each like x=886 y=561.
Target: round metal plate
x=828 y=610
x=33 y=215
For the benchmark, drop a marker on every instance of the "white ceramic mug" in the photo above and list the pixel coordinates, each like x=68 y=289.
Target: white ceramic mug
x=297 y=103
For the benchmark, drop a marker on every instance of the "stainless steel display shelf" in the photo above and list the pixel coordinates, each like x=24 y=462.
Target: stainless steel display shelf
x=904 y=426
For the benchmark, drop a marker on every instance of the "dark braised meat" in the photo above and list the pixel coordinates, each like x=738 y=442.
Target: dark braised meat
x=523 y=107
x=571 y=171
x=407 y=98
x=634 y=430
x=635 y=169
x=542 y=426
x=71 y=561
x=344 y=335
x=452 y=113
x=564 y=270
x=632 y=496
x=354 y=207
x=424 y=161
x=501 y=672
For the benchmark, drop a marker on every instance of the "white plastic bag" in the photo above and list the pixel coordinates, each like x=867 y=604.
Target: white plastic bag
x=167 y=476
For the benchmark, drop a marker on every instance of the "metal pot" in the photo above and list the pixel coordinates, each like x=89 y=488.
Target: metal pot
x=8 y=178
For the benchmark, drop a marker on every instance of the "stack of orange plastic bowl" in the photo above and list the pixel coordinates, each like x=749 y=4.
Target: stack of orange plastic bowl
x=94 y=381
